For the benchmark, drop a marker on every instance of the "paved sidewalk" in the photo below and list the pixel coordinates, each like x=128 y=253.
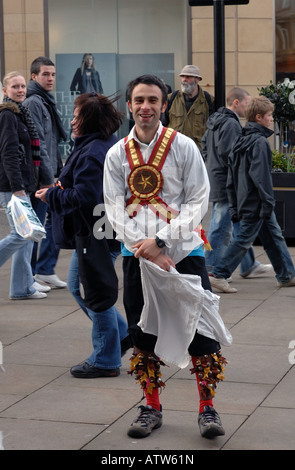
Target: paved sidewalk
x=43 y=407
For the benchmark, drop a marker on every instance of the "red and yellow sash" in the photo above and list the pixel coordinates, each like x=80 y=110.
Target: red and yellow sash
x=146 y=180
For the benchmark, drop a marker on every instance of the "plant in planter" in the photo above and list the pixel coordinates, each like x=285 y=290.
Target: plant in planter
x=283 y=162
x=282 y=96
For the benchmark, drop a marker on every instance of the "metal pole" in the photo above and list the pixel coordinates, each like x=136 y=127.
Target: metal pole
x=219 y=53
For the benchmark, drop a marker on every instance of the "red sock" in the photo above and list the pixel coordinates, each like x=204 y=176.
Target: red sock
x=153 y=399
x=202 y=401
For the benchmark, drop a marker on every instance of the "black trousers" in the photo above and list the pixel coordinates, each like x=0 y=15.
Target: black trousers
x=133 y=304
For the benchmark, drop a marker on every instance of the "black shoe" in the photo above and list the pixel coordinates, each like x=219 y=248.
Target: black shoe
x=210 y=423
x=86 y=371
x=126 y=344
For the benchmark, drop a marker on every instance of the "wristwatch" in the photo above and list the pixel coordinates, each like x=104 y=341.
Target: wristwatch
x=160 y=242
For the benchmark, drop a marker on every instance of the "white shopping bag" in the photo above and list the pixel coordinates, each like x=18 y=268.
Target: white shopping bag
x=25 y=219
x=175 y=306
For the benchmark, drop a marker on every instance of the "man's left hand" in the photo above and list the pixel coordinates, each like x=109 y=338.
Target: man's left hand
x=147 y=248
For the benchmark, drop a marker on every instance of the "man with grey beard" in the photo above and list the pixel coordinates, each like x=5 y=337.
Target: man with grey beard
x=189 y=108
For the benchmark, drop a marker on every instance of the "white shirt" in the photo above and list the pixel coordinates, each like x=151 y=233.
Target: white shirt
x=185 y=188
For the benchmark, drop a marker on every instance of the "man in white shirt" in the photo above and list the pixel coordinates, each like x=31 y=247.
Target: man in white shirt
x=156 y=194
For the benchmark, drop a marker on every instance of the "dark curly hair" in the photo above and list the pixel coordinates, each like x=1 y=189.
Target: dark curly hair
x=147 y=80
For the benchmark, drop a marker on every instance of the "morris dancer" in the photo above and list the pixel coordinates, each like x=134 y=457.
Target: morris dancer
x=156 y=193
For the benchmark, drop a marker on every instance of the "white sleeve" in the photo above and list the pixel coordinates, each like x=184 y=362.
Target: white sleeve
x=114 y=198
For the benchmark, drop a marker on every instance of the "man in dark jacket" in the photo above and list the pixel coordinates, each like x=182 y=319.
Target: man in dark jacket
x=43 y=109
x=223 y=128
x=251 y=199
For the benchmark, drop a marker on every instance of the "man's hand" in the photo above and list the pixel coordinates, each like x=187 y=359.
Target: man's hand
x=149 y=249
x=164 y=262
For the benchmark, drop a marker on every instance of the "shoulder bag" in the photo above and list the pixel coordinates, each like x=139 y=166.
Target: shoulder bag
x=98 y=278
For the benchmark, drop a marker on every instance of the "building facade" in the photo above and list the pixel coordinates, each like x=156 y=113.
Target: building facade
x=131 y=37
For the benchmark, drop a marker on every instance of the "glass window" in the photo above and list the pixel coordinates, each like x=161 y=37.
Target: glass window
x=122 y=38
x=285 y=39
x=1 y=48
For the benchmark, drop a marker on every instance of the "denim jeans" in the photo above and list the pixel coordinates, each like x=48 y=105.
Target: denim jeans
x=48 y=253
x=271 y=237
x=219 y=236
x=108 y=327
x=21 y=278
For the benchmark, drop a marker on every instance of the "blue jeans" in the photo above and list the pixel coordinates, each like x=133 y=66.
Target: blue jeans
x=271 y=237
x=219 y=236
x=109 y=328
x=48 y=253
x=21 y=278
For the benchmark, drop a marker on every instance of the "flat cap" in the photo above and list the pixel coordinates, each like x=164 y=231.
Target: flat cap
x=192 y=71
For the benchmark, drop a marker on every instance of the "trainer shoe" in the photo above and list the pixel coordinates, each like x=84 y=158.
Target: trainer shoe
x=221 y=284
x=41 y=288
x=258 y=270
x=51 y=280
x=210 y=423
x=147 y=419
x=86 y=371
x=37 y=295
x=287 y=284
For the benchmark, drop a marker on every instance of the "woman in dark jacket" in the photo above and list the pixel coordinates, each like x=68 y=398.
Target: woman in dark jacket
x=19 y=163
x=86 y=78
x=79 y=191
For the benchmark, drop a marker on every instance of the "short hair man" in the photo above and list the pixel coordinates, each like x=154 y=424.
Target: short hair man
x=189 y=108
x=50 y=129
x=251 y=199
x=223 y=128
x=171 y=167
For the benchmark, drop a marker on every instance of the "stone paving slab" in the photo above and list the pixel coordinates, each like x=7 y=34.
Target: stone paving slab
x=265 y=429
x=31 y=434
x=43 y=407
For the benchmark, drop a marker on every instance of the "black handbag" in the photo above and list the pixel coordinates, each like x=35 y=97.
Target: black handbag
x=97 y=273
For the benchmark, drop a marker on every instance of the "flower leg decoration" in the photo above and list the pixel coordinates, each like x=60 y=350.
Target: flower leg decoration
x=209 y=370
x=146 y=368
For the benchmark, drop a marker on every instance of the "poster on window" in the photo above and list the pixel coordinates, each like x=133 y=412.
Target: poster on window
x=108 y=74
x=81 y=73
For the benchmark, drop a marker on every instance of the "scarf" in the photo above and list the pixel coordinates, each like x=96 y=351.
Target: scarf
x=34 y=88
x=34 y=137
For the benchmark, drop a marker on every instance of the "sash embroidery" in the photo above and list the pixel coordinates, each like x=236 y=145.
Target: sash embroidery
x=145 y=180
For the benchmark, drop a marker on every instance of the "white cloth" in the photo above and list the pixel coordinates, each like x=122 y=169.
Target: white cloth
x=186 y=189
x=175 y=306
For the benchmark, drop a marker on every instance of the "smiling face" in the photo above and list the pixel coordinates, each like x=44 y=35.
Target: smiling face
x=146 y=107
x=16 y=89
